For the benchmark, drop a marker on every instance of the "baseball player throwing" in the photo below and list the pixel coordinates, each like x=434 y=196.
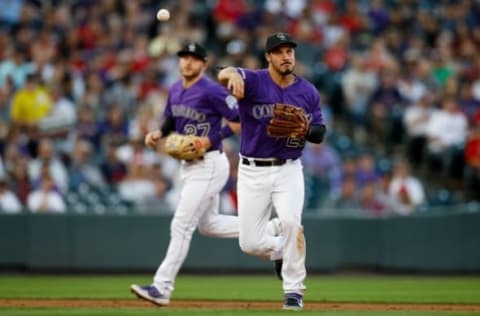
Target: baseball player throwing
x=279 y=111
x=193 y=115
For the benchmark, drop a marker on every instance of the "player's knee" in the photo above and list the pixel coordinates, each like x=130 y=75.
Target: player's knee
x=205 y=229
x=249 y=246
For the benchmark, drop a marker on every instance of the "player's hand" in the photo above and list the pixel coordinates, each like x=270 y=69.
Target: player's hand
x=206 y=143
x=152 y=138
x=236 y=86
x=233 y=81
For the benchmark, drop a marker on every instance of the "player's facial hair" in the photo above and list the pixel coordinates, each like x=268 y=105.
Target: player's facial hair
x=281 y=72
x=193 y=74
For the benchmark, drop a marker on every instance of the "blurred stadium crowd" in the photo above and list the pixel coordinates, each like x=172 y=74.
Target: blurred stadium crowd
x=82 y=81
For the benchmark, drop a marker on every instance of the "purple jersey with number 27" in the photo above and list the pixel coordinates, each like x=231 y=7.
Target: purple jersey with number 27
x=199 y=109
x=256 y=110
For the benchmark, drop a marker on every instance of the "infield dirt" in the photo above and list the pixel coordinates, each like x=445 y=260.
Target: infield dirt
x=259 y=305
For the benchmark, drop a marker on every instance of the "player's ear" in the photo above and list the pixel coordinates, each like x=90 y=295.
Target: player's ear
x=268 y=57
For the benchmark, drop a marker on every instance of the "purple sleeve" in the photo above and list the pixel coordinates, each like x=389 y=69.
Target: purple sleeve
x=224 y=103
x=250 y=78
x=224 y=132
x=168 y=108
x=317 y=117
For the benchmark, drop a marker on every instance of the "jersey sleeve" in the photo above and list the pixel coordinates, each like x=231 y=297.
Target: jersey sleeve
x=168 y=108
x=250 y=78
x=224 y=103
x=317 y=117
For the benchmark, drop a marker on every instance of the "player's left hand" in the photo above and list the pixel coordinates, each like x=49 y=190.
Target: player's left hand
x=206 y=143
x=288 y=121
x=185 y=147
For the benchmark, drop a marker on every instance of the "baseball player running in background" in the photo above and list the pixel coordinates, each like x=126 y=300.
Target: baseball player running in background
x=195 y=106
x=270 y=171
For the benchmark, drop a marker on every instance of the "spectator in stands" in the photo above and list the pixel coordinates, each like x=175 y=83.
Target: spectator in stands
x=366 y=171
x=87 y=126
x=378 y=16
x=48 y=158
x=46 y=199
x=416 y=120
x=113 y=169
x=323 y=163
x=383 y=195
x=369 y=200
x=157 y=203
x=352 y=18
x=472 y=159
x=446 y=132
x=122 y=92
x=406 y=190
x=15 y=66
x=143 y=122
x=135 y=152
x=358 y=83
x=9 y=202
x=411 y=89
x=476 y=78
x=30 y=104
x=58 y=124
x=14 y=152
x=114 y=128
x=19 y=181
x=386 y=111
x=137 y=186
x=467 y=103
x=82 y=170
x=348 y=200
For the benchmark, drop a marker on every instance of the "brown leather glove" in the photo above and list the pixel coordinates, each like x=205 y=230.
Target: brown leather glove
x=184 y=147
x=288 y=121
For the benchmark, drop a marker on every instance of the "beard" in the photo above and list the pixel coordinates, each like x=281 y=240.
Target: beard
x=190 y=74
x=284 y=71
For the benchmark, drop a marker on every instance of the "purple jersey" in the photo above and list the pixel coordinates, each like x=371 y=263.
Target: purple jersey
x=199 y=109
x=256 y=110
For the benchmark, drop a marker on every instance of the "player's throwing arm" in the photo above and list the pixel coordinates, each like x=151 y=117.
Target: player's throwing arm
x=234 y=82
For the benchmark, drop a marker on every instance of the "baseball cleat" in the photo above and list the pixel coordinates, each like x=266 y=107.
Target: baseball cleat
x=150 y=293
x=278 y=268
x=293 y=302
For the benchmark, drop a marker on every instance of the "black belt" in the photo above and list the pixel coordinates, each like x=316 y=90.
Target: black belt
x=264 y=163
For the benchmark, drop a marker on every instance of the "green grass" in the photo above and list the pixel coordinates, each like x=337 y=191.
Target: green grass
x=366 y=289
x=391 y=289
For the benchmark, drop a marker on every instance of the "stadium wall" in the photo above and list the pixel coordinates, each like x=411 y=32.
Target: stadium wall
x=443 y=243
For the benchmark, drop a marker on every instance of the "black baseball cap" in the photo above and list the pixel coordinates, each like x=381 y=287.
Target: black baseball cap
x=194 y=49
x=278 y=39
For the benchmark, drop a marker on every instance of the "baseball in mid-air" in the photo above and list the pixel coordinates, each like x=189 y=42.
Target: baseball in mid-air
x=163 y=15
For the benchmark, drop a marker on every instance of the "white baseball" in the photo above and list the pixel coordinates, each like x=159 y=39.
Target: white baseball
x=163 y=15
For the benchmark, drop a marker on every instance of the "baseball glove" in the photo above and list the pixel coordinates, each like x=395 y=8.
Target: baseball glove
x=184 y=147
x=288 y=121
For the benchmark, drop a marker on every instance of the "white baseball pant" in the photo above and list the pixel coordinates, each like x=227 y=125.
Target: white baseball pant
x=281 y=188
x=198 y=207
x=199 y=202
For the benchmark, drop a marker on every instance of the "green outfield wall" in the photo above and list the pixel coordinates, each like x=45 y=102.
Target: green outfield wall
x=441 y=243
